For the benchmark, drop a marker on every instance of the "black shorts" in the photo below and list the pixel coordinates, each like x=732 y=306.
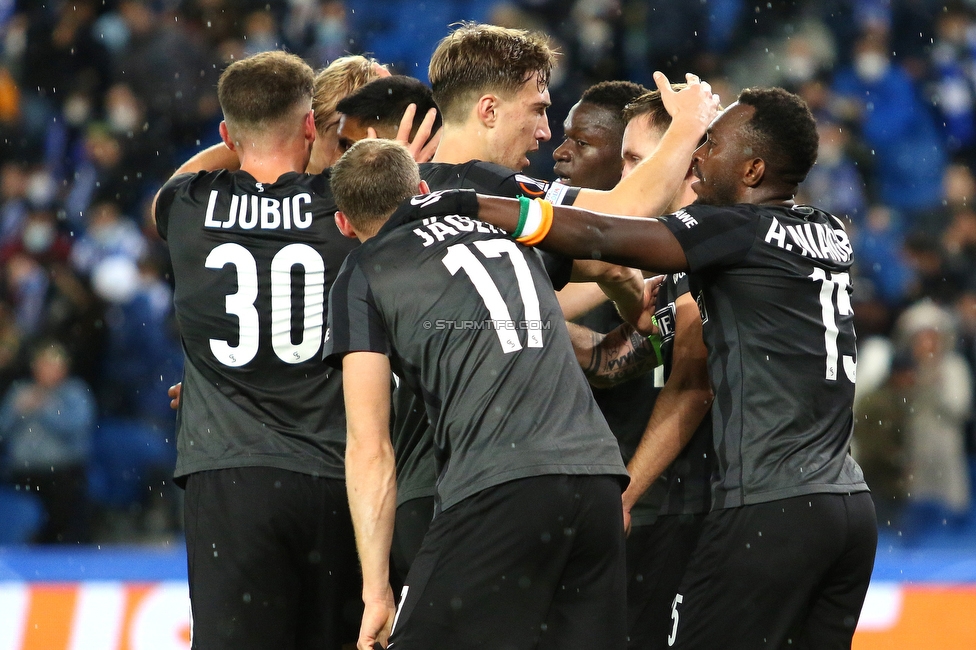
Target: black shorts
x=657 y=555
x=272 y=561
x=532 y=563
x=785 y=574
x=413 y=518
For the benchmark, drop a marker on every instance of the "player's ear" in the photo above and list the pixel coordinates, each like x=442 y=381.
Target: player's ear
x=225 y=136
x=344 y=225
x=754 y=172
x=486 y=110
x=424 y=188
x=309 y=126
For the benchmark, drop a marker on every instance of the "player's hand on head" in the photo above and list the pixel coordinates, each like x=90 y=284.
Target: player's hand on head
x=696 y=103
x=423 y=146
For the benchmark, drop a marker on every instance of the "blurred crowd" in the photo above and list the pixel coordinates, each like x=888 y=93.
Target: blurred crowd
x=101 y=99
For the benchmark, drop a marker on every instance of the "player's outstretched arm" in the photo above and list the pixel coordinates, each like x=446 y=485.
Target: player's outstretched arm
x=580 y=298
x=685 y=399
x=647 y=191
x=371 y=485
x=609 y=359
x=624 y=286
x=218 y=156
x=581 y=234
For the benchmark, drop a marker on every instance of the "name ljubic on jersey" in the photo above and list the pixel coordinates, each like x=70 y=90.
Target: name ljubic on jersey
x=452 y=225
x=249 y=211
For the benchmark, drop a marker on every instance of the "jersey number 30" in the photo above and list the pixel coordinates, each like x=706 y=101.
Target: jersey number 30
x=460 y=257
x=241 y=304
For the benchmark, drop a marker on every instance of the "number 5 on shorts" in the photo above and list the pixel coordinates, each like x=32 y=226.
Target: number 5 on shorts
x=678 y=599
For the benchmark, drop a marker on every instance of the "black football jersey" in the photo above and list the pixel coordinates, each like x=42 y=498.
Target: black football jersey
x=470 y=322
x=685 y=487
x=774 y=290
x=253 y=264
x=411 y=435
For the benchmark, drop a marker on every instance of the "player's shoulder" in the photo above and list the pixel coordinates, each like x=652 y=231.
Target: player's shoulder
x=484 y=177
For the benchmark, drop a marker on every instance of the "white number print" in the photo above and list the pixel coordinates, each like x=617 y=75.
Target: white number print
x=241 y=304
x=460 y=257
x=678 y=599
x=834 y=284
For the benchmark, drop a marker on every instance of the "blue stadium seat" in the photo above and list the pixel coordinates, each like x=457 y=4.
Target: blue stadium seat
x=21 y=516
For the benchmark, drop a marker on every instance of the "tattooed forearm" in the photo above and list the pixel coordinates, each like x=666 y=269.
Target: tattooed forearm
x=621 y=355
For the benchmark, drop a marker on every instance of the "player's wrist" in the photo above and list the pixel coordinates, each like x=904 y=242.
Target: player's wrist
x=535 y=221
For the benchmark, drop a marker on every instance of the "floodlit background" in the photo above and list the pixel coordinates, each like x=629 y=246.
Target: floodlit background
x=101 y=99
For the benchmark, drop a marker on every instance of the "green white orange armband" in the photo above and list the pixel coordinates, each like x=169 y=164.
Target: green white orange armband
x=535 y=220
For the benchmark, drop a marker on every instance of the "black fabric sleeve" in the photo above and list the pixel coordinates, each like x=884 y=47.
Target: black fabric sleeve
x=713 y=237
x=164 y=201
x=681 y=284
x=355 y=324
x=559 y=268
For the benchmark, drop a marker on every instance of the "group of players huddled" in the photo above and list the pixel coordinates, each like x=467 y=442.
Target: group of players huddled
x=461 y=372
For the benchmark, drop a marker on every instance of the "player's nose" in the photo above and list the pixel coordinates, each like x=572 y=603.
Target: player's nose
x=562 y=152
x=542 y=132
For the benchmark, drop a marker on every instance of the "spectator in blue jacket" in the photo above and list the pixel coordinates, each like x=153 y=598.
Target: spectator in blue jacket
x=45 y=436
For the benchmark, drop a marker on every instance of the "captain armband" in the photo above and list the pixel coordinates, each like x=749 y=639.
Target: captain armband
x=535 y=220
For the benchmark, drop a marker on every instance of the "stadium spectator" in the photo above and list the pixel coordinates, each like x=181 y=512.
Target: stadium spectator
x=45 y=426
x=107 y=233
x=909 y=152
x=939 y=407
x=881 y=426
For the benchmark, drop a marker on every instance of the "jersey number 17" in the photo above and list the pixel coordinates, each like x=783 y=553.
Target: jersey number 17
x=460 y=257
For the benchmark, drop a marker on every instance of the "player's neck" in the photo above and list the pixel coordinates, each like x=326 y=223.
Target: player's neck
x=461 y=144
x=269 y=171
x=269 y=166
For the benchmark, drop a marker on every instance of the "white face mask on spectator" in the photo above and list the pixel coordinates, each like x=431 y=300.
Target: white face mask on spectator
x=38 y=236
x=871 y=66
x=123 y=118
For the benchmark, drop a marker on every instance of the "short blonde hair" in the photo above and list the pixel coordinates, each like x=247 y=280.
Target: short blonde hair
x=340 y=78
x=475 y=59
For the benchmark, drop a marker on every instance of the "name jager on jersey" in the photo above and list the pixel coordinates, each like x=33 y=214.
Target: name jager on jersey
x=248 y=211
x=436 y=229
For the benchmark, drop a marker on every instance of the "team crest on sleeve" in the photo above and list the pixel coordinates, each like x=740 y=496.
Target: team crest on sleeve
x=666 y=317
x=531 y=187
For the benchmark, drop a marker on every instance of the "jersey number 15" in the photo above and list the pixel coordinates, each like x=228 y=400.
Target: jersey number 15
x=834 y=284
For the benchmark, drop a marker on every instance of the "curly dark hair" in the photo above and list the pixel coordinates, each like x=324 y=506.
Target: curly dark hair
x=786 y=133
x=613 y=95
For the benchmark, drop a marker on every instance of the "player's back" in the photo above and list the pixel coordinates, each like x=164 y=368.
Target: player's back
x=475 y=328
x=775 y=295
x=253 y=264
